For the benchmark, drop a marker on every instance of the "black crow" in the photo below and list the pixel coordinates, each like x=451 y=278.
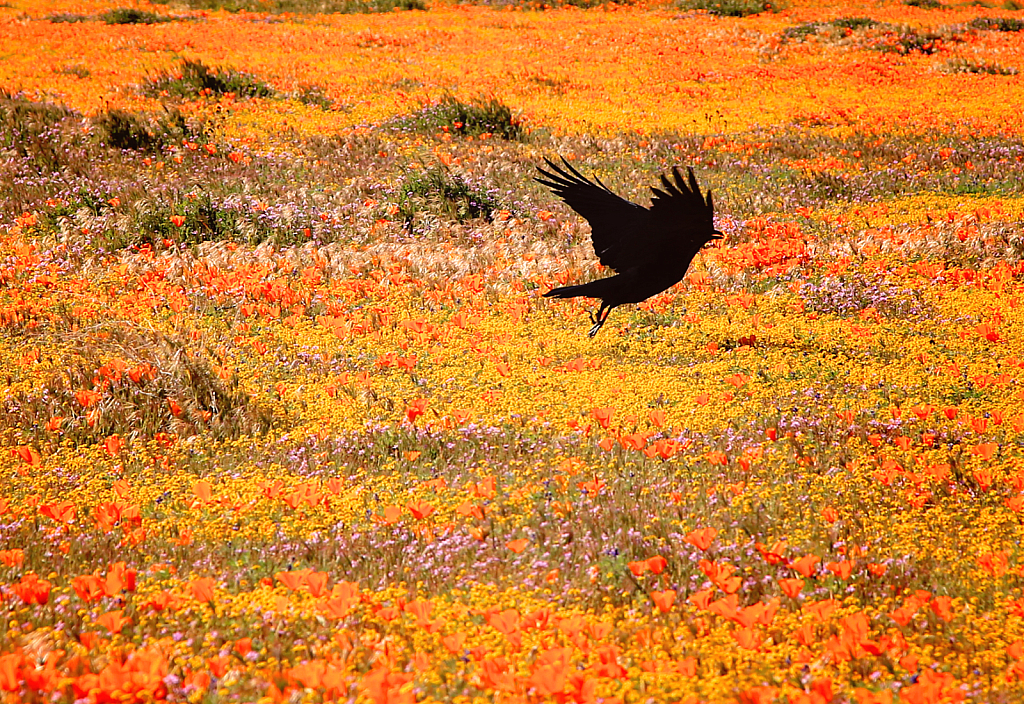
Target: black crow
x=650 y=248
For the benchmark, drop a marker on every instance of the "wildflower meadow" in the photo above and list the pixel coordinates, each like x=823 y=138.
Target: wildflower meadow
x=285 y=417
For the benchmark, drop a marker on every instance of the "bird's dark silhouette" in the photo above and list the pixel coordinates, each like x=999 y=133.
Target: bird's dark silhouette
x=649 y=248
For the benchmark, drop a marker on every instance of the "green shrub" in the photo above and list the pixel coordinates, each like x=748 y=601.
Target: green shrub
x=853 y=23
x=38 y=132
x=998 y=24
x=308 y=6
x=194 y=78
x=731 y=8
x=76 y=70
x=66 y=18
x=960 y=65
x=439 y=191
x=834 y=28
x=548 y=4
x=800 y=32
x=174 y=370
x=131 y=15
x=141 y=132
x=481 y=116
x=313 y=95
x=205 y=220
x=908 y=40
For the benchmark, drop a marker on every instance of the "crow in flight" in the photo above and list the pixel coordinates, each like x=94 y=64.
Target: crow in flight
x=650 y=248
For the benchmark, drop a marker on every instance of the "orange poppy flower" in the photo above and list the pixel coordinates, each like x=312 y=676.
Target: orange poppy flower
x=664 y=599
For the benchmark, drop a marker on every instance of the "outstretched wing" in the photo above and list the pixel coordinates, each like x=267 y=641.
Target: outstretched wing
x=682 y=220
x=617 y=227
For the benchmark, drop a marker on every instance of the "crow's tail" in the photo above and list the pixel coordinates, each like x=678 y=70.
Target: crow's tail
x=601 y=288
x=566 y=292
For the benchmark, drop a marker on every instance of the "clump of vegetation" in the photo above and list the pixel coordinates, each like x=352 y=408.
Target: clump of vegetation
x=440 y=191
x=542 y=5
x=140 y=132
x=961 y=65
x=925 y=4
x=908 y=40
x=998 y=24
x=308 y=7
x=732 y=8
x=132 y=15
x=76 y=70
x=135 y=384
x=374 y=6
x=313 y=95
x=195 y=217
x=202 y=219
x=853 y=23
x=67 y=18
x=39 y=132
x=194 y=78
x=79 y=200
x=836 y=28
x=481 y=116
x=804 y=30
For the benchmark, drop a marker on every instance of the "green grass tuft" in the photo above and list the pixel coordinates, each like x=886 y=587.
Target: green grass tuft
x=194 y=78
x=40 y=132
x=67 y=18
x=176 y=389
x=732 y=8
x=481 y=116
x=308 y=7
x=961 y=65
x=142 y=132
x=438 y=190
x=998 y=24
x=132 y=15
x=313 y=95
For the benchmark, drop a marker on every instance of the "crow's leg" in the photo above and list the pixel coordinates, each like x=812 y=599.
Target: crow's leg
x=598 y=320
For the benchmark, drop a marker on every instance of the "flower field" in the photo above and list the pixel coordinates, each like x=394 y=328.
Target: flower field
x=285 y=417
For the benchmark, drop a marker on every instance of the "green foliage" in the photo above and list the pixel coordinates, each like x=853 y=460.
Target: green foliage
x=548 y=4
x=910 y=40
x=308 y=7
x=205 y=220
x=194 y=78
x=853 y=23
x=800 y=32
x=76 y=70
x=451 y=115
x=925 y=4
x=66 y=18
x=20 y=113
x=732 y=8
x=998 y=24
x=440 y=191
x=314 y=95
x=38 y=132
x=961 y=65
x=132 y=15
x=172 y=369
x=836 y=28
x=80 y=200
x=141 y=132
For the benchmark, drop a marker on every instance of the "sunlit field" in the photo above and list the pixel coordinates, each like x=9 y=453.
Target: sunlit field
x=285 y=417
